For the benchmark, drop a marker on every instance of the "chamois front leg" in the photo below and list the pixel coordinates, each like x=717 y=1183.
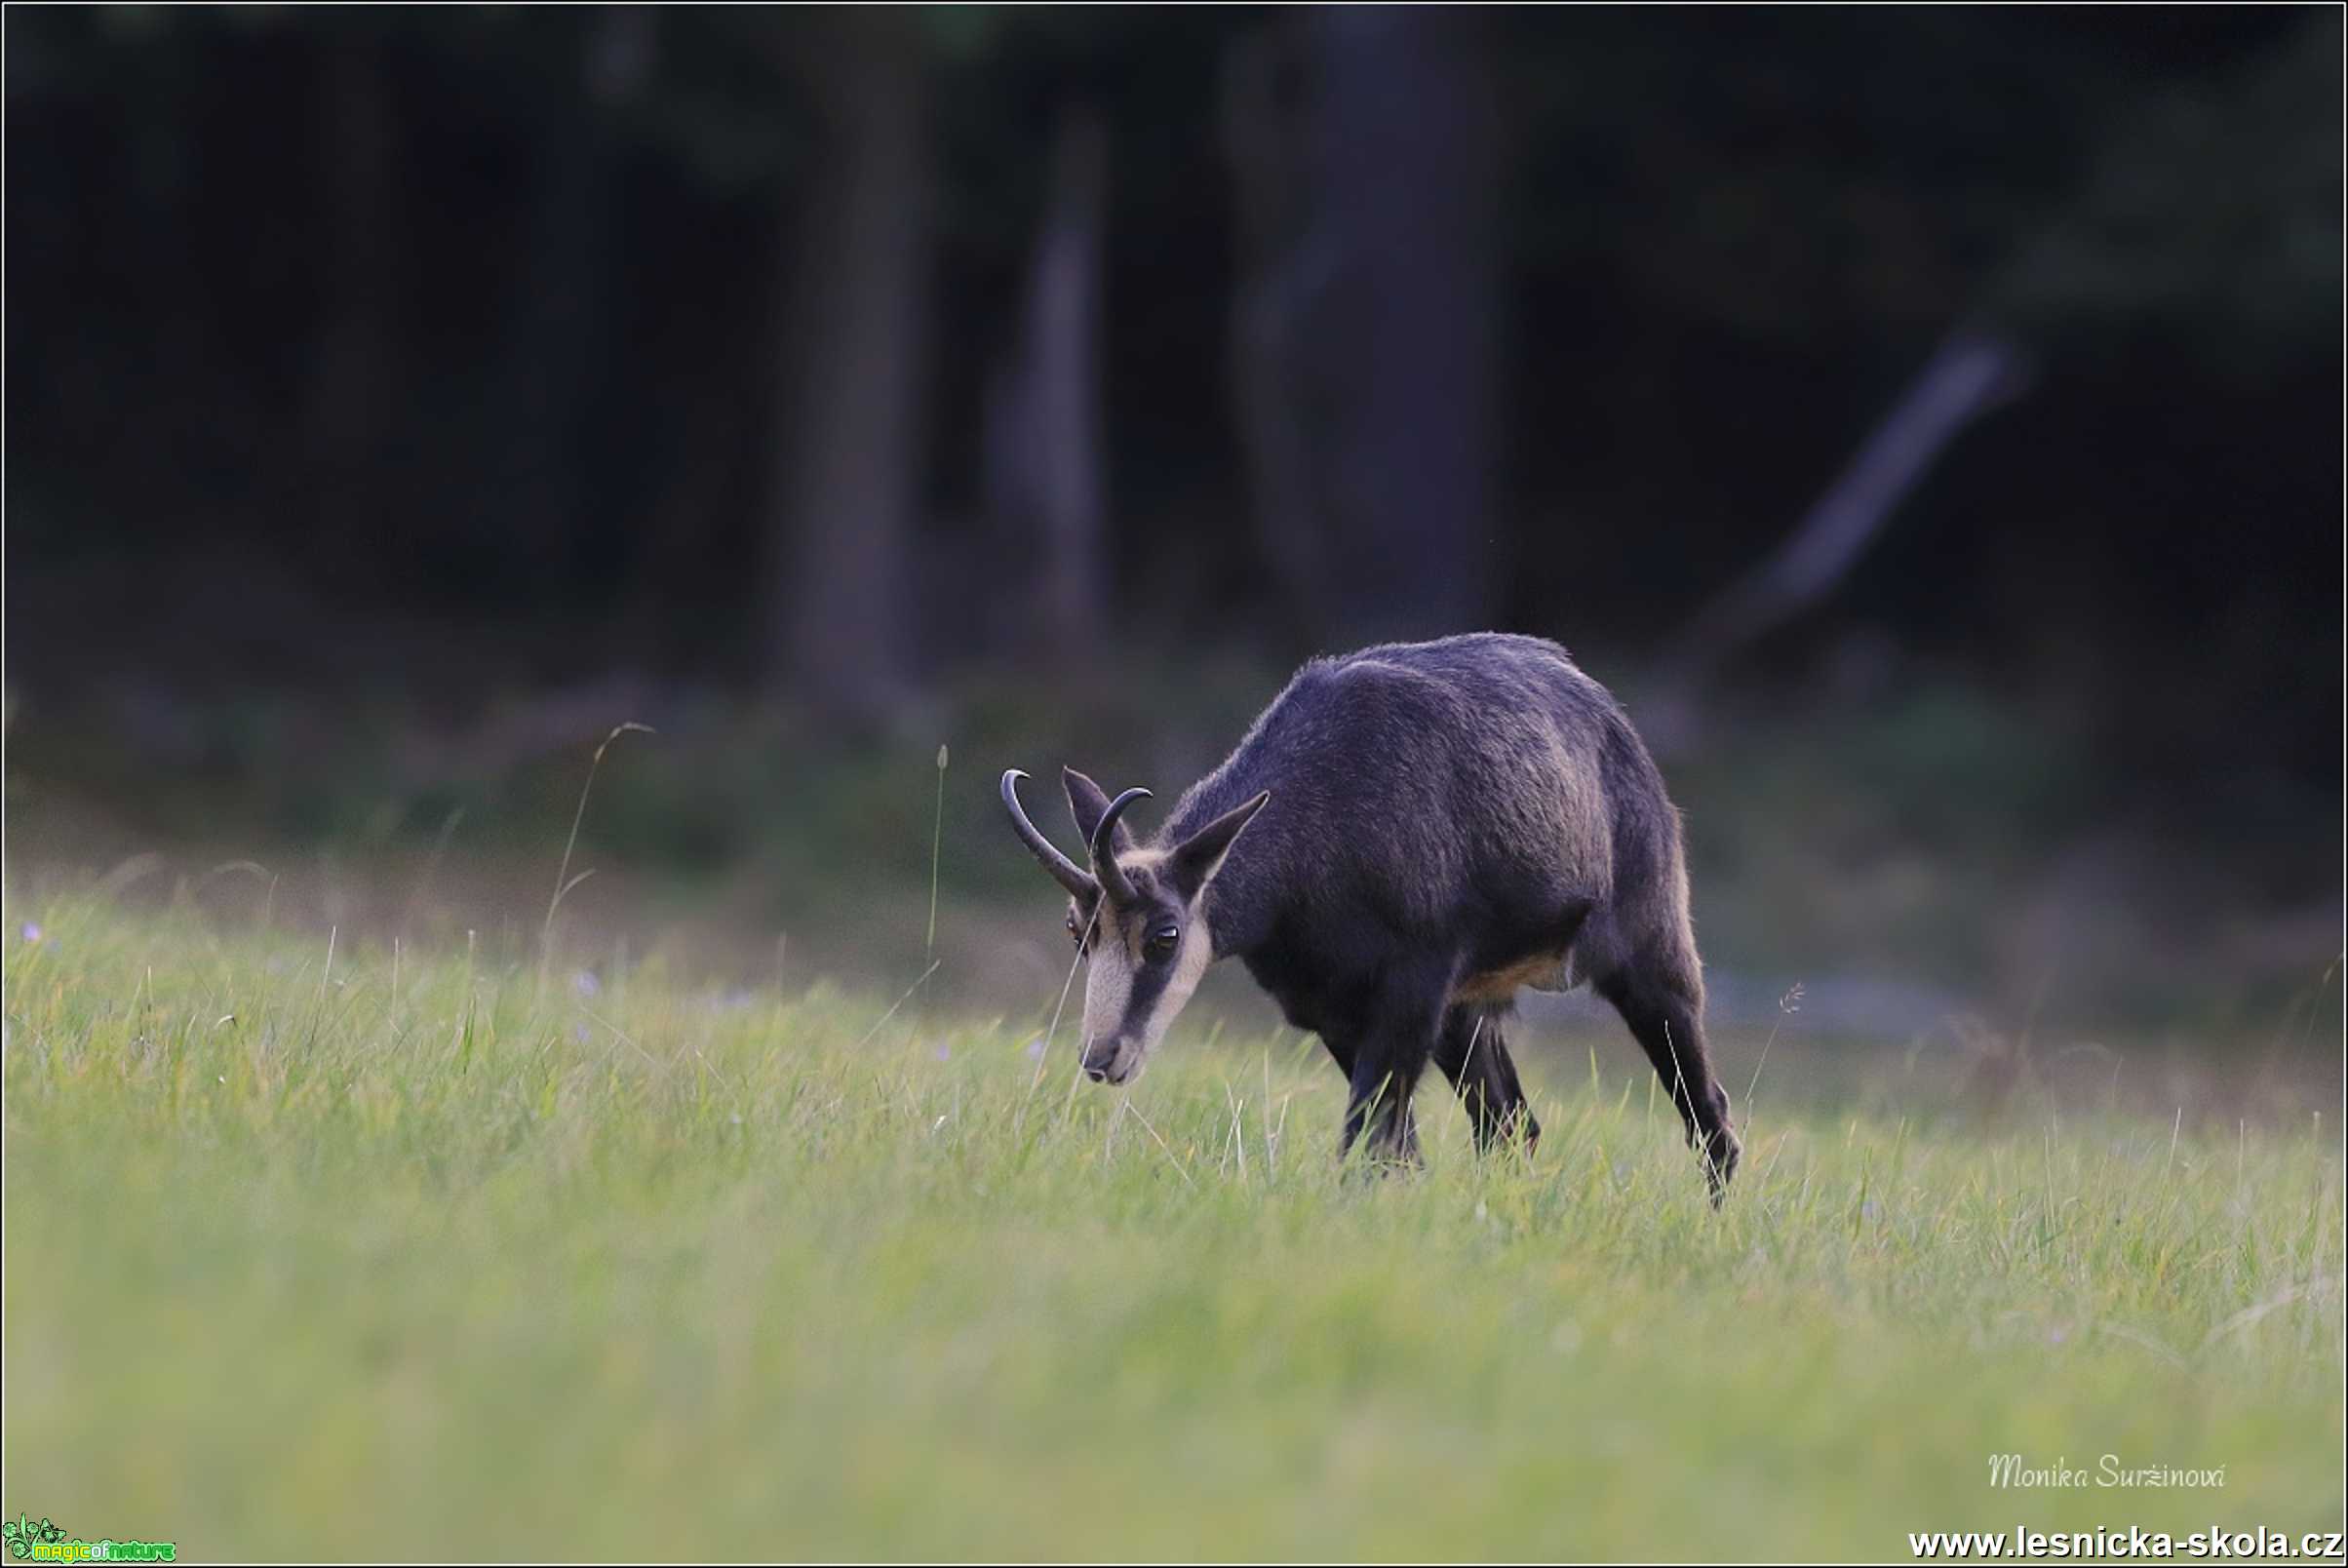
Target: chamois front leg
x=1378 y=1103
x=1388 y=1056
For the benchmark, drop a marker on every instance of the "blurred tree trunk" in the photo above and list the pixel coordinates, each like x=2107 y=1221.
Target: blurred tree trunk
x=858 y=339
x=1042 y=457
x=1973 y=368
x=1976 y=367
x=558 y=357
x=1364 y=333
x=1406 y=158
x=350 y=393
x=1284 y=261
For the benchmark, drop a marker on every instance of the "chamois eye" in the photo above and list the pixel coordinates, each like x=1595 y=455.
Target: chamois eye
x=1162 y=941
x=1075 y=933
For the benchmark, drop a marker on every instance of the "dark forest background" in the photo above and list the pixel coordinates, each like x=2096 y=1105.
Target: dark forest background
x=1929 y=419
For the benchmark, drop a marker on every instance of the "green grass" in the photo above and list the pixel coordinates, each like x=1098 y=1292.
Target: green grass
x=443 y=1257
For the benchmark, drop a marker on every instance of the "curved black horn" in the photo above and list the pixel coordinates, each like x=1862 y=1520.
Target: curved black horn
x=1113 y=881
x=1065 y=872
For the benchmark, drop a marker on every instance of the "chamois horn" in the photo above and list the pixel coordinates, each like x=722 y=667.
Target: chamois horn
x=1065 y=872
x=1113 y=881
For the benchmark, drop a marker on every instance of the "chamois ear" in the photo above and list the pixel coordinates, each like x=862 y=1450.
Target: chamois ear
x=1088 y=803
x=1195 y=864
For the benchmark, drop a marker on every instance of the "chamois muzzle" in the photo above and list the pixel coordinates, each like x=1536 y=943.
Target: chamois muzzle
x=1065 y=872
x=1104 y=1061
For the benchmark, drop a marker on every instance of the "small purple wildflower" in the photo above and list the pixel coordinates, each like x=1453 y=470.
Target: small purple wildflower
x=32 y=930
x=1035 y=1049
x=578 y=1032
x=586 y=984
x=944 y=1053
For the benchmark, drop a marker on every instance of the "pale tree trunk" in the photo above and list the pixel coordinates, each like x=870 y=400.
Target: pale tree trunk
x=1973 y=372
x=851 y=447
x=1972 y=369
x=1043 y=448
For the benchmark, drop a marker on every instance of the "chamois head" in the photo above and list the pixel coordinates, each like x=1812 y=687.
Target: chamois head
x=1138 y=915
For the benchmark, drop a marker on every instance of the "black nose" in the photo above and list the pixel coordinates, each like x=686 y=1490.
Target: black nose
x=1098 y=1060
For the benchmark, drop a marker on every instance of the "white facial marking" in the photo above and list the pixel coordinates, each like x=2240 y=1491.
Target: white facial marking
x=1108 y=985
x=1190 y=959
x=1113 y=971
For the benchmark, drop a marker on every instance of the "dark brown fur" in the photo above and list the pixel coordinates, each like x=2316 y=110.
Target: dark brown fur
x=1448 y=821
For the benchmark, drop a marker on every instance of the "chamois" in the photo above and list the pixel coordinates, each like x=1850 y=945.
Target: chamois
x=1407 y=836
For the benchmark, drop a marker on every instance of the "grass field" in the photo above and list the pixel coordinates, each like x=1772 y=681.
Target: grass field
x=376 y=1253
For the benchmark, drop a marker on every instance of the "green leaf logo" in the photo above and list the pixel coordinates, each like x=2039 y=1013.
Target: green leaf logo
x=22 y=1534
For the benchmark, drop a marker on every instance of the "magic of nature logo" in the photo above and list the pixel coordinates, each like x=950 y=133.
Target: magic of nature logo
x=45 y=1541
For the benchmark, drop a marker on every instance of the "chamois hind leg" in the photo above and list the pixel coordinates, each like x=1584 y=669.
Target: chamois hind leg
x=1476 y=1058
x=1659 y=993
